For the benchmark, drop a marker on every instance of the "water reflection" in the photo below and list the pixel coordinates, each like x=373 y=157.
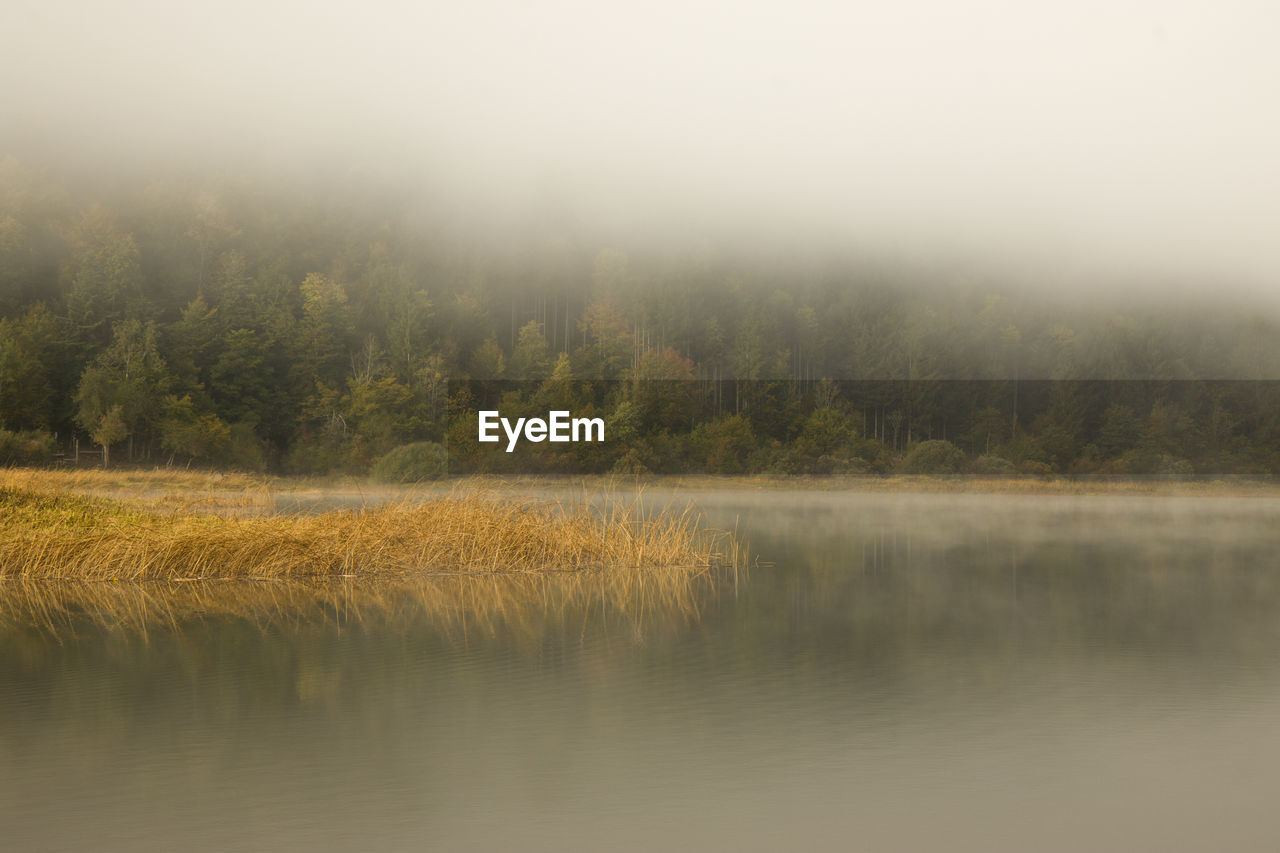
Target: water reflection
x=911 y=672
x=452 y=602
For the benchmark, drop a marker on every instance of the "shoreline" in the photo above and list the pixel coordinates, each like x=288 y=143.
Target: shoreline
x=185 y=489
x=48 y=531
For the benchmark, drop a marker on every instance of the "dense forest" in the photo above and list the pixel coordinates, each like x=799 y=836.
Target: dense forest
x=315 y=326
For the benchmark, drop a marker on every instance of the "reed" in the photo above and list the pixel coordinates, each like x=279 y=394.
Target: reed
x=521 y=604
x=50 y=535
x=166 y=479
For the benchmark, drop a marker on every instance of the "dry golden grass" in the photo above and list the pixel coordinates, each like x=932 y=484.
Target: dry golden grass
x=45 y=534
x=236 y=493
x=524 y=603
x=94 y=479
x=150 y=549
x=157 y=489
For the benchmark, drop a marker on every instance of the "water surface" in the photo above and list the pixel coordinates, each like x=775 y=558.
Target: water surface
x=907 y=672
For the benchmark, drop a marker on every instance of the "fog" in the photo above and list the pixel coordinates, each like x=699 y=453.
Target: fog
x=1130 y=138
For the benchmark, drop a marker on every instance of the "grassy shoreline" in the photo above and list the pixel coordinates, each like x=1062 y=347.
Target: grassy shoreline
x=180 y=525
x=48 y=532
x=163 y=488
x=153 y=547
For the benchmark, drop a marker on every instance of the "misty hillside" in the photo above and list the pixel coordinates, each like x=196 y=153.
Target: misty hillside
x=216 y=311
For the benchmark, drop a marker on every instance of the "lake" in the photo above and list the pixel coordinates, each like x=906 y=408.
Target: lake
x=899 y=672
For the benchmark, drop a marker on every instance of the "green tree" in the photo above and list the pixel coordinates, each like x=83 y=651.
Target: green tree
x=15 y=263
x=827 y=432
x=193 y=345
x=531 y=358
x=242 y=380
x=663 y=389
x=933 y=457
x=323 y=336
x=198 y=436
x=407 y=331
x=27 y=351
x=609 y=342
x=109 y=429
x=379 y=410
x=106 y=278
x=1120 y=430
x=727 y=443
x=131 y=375
x=487 y=362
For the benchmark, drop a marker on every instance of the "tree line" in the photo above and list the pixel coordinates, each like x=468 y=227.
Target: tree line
x=229 y=320
x=1161 y=428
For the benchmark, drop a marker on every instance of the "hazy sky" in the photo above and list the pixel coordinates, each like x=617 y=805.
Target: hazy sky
x=1135 y=136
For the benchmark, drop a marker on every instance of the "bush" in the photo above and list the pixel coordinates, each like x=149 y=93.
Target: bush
x=827 y=432
x=244 y=449
x=410 y=463
x=1137 y=462
x=1036 y=468
x=30 y=447
x=1172 y=468
x=839 y=465
x=629 y=464
x=726 y=443
x=933 y=457
x=1088 y=463
x=992 y=466
x=872 y=456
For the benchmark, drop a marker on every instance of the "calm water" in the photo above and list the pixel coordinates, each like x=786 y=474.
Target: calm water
x=910 y=673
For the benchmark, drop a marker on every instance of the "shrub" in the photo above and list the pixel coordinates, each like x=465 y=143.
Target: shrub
x=1137 y=462
x=1036 y=468
x=726 y=443
x=311 y=457
x=827 y=432
x=630 y=464
x=873 y=456
x=30 y=447
x=839 y=465
x=244 y=449
x=410 y=463
x=992 y=466
x=933 y=457
x=1172 y=468
x=1088 y=462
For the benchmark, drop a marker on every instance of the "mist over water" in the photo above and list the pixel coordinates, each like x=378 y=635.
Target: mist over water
x=1133 y=142
x=1039 y=238
x=918 y=672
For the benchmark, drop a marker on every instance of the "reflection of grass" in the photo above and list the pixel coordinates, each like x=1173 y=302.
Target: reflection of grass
x=520 y=602
x=48 y=535
x=142 y=549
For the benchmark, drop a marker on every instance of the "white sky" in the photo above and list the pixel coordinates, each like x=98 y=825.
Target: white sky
x=1135 y=136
